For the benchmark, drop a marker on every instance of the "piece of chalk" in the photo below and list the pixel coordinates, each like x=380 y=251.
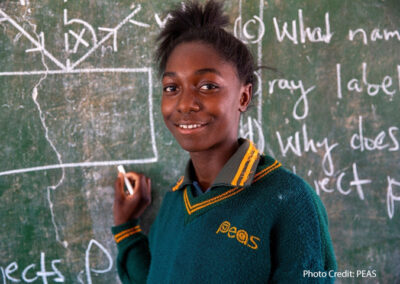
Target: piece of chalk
x=127 y=182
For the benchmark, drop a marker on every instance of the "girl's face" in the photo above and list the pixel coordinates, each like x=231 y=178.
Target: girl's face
x=202 y=98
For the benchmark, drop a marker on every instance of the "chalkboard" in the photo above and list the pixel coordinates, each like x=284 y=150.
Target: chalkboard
x=79 y=95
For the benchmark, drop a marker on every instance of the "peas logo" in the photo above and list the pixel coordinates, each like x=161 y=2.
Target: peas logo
x=241 y=235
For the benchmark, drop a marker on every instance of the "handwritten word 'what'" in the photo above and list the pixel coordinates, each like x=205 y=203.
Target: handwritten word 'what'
x=305 y=33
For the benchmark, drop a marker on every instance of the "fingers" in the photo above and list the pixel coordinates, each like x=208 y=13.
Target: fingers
x=128 y=206
x=135 y=180
x=140 y=183
x=119 y=186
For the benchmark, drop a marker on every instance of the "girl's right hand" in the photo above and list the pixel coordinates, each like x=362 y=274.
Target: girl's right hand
x=127 y=207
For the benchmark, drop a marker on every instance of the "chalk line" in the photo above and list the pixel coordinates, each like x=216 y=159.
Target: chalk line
x=29 y=37
x=75 y=71
x=46 y=129
x=259 y=63
x=79 y=165
x=152 y=130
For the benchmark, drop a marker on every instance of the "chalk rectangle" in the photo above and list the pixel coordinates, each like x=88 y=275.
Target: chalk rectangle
x=105 y=114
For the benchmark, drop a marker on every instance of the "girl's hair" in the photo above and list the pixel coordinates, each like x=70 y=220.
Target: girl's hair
x=193 y=22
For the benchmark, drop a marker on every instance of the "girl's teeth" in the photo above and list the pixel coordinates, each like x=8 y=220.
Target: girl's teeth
x=190 y=126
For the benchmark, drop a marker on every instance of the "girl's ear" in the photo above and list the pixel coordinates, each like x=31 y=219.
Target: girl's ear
x=245 y=97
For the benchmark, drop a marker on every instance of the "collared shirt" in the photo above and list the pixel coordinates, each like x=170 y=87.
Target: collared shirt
x=272 y=219
x=197 y=189
x=238 y=171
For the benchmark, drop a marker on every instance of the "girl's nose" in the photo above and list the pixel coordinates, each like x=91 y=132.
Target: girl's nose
x=188 y=102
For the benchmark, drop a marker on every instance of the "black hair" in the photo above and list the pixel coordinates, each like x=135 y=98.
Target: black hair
x=193 y=22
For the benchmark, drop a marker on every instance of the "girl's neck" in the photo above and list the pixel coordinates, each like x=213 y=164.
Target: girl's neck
x=208 y=164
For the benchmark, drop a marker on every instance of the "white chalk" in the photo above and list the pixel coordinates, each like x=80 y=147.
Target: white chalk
x=127 y=182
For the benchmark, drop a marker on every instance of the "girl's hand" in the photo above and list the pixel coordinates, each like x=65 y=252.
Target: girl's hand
x=127 y=207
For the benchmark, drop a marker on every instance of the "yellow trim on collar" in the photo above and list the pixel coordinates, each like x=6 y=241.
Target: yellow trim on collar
x=266 y=171
x=253 y=158
x=178 y=184
x=193 y=208
x=249 y=155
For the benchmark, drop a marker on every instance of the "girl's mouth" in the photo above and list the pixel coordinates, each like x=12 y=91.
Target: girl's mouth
x=189 y=128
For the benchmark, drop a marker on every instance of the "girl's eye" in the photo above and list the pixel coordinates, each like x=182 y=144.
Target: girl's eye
x=208 y=86
x=169 y=89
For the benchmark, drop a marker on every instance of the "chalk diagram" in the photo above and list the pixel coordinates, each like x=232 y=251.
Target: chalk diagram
x=73 y=41
x=87 y=38
x=70 y=68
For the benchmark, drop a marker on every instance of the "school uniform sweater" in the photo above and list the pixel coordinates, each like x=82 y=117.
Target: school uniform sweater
x=258 y=223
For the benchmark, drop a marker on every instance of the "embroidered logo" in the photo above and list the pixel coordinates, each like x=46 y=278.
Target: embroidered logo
x=241 y=235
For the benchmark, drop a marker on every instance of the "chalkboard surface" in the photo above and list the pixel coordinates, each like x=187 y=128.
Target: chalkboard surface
x=79 y=95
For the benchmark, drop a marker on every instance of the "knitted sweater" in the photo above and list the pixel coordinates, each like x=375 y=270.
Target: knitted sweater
x=264 y=225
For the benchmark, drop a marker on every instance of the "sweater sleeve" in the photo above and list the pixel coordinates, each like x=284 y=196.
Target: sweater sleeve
x=301 y=247
x=133 y=260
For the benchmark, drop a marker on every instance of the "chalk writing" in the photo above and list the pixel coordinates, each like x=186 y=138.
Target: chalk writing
x=88 y=268
x=375 y=35
x=298 y=148
x=360 y=85
x=30 y=273
x=41 y=271
x=392 y=197
x=241 y=31
x=359 y=141
x=292 y=85
x=306 y=33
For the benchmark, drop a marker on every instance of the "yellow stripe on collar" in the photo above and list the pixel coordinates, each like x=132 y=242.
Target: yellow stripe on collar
x=245 y=160
x=253 y=158
x=178 y=184
x=193 y=208
x=266 y=171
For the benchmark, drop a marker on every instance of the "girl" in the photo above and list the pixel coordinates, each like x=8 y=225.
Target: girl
x=235 y=216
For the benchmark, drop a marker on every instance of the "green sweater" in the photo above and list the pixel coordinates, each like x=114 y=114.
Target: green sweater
x=259 y=223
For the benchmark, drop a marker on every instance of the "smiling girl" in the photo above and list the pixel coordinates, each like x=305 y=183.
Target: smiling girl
x=235 y=215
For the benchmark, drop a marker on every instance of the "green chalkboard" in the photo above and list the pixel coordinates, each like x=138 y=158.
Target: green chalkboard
x=79 y=95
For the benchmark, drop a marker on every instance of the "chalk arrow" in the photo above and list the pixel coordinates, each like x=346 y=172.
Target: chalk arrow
x=31 y=39
x=114 y=33
x=40 y=47
x=123 y=22
x=162 y=23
